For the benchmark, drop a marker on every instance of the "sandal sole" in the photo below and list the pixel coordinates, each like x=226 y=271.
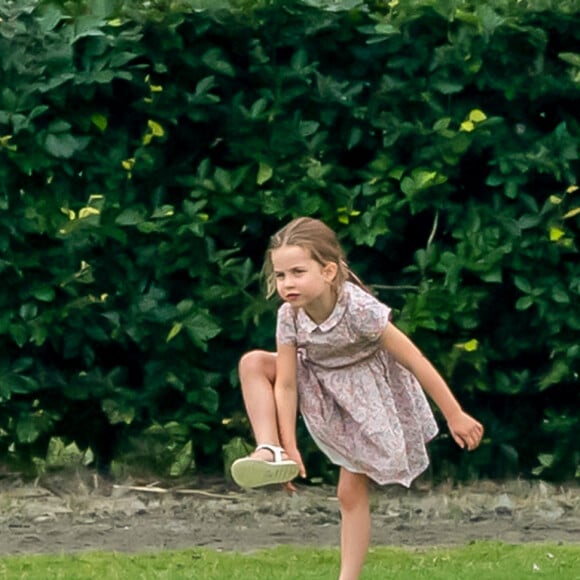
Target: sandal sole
x=248 y=472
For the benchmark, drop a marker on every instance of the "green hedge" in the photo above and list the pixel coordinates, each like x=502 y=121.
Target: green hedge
x=148 y=150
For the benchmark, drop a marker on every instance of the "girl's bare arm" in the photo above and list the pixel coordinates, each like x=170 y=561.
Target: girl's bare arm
x=286 y=394
x=466 y=431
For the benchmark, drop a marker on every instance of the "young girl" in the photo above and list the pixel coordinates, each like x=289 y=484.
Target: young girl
x=356 y=377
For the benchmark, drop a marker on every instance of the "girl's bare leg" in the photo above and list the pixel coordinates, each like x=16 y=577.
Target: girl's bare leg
x=355 y=529
x=257 y=372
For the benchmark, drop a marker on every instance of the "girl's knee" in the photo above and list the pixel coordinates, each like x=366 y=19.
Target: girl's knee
x=352 y=491
x=249 y=360
x=256 y=361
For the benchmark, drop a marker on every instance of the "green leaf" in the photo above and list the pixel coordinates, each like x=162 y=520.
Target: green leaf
x=571 y=213
x=524 y=303
x=493 y=276
x=44 y=293
x=59 y=126
x=19 y=334
x=118 y=412
x=477 y=116
x=165 y=211
x=175 y=330
x=103 y=8
x=51 y=17
x=299 y=59
x=210 y=400
x=149 y=227
x=334 y=5
x=523 y=284
x=9 y=99
x=183 y=461
x=223 y=179
x=572 y=58
x=489 y=19
x=99 y=121
x=131 y=217
x=87 y=25
x=258 y=108
x=59 y=455
x=442 y=124
x=408 y=186
x=560 y=296
x=546 y=459
x=386 y=29
x=529 y=221
x=511 y=189
x=64 y=145
x=28 y=429
x=205 y=85
x=217 y=61
x=155 y=128
x=201 y=327
x=446 y=86
x=176 y=431
x=39 y=334
x=308 y=128
x=424 y=178
x=265 y=173
x=12 y=383
x=28 y=311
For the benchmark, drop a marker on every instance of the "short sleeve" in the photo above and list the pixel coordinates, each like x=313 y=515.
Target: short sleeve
x=286 y=325
x=369 y=317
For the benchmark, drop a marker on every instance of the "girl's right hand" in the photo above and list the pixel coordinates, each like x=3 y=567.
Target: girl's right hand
x=294 y=455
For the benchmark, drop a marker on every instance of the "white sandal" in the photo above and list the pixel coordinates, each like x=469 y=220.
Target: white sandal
x=252 y=472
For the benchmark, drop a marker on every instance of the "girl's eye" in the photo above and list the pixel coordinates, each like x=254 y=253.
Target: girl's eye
x=279 y=276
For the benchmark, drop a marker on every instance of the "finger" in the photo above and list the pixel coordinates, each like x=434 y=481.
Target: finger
x=474 y=441
x=477 y=428
x=477 y=433
x=301 y=468
x=459 y=440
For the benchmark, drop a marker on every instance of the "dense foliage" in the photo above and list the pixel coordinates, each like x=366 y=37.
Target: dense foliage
x=148 y=150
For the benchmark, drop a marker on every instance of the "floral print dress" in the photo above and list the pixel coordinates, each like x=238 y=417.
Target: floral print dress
x=364 y=410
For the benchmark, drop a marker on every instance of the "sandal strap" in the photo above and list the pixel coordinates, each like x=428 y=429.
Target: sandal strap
x=275 y=449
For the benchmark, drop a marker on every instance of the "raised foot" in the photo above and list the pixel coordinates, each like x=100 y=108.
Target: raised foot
x=258 y=469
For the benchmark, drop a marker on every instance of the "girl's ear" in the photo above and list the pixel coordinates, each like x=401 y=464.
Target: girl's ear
x=329 y=271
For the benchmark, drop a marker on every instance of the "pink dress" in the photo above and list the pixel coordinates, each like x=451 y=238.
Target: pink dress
x=365 y=411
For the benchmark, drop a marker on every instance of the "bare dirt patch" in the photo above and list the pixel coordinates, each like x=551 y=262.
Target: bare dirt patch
x=82 y=512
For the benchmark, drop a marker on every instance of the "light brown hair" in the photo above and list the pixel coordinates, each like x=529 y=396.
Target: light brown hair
x=320 y=241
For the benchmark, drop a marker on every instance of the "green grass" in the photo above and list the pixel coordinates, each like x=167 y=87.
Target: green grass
x=479 y=561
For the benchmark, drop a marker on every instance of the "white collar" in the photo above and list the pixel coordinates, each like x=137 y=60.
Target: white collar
x=305 y=322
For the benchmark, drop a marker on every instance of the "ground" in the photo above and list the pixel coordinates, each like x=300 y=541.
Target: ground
x=80 y=512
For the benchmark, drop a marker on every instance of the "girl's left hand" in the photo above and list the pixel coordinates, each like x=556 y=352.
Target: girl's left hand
x=466 y=431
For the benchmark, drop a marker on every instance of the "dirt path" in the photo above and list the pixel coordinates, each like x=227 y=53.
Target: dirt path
x=79 y=513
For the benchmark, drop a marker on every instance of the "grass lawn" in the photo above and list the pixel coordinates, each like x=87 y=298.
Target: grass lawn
x=479 y=561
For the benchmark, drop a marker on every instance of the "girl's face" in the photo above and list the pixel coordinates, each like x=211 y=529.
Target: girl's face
x=302 y=281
